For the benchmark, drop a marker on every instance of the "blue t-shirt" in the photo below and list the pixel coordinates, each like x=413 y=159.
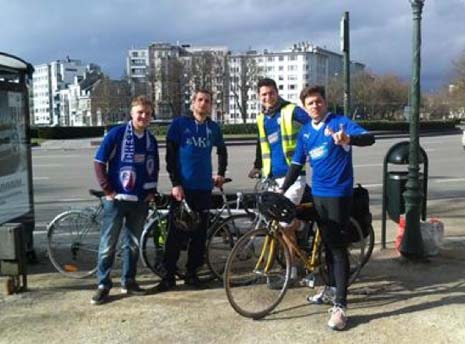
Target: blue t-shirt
x=332 y=171
x=279 y=164
x=131 y=175
x=195 y=141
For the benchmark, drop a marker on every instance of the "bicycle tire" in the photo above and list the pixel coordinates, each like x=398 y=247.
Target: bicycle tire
x=356 y=253
x=221 y=240
x=369 y=245
x=152 y=254
x=152 y=248
x=255 y=293
x=73 y=240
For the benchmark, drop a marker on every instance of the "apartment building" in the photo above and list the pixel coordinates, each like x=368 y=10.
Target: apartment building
x=169 y=73
x=48 y=83
x=292 y=69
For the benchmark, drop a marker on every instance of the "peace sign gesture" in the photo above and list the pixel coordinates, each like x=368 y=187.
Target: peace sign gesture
x=340 y=137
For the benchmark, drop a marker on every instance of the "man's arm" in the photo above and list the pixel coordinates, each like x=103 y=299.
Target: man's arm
x=292 y=174
x=222 y=159
x=172 y=153
x=102 y=156
x=257 y=164
x=102 y=178
x=362 y=140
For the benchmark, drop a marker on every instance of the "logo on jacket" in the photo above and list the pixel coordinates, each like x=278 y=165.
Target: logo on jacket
x=150 y=165
x=127 y=178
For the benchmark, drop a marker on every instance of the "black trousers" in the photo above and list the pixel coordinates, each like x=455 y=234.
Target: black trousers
x=334 y=216
x=200 y=201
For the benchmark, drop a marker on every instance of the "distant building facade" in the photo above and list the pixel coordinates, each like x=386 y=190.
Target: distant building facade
x=292 y=69
x=172 y=72
x=48 y=83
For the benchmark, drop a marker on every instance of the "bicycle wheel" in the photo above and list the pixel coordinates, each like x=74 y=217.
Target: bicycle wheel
x=253 y=280
x=221 y=240
x=356 y=254
x=369 y=245
x=152 y=250
x=152 y=246
x=73 y=240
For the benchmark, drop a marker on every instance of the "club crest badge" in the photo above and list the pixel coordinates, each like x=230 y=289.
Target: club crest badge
x=127 y=178
x=150 y=166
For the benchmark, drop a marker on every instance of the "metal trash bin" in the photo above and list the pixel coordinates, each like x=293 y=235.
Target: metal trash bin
x=395 y=187
x=394 y=183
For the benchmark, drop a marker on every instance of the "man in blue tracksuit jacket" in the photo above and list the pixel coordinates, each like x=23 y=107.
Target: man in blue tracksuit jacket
x=189 y=145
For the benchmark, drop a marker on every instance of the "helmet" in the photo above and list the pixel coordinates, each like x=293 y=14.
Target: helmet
x=184 y=218
x=275 y=206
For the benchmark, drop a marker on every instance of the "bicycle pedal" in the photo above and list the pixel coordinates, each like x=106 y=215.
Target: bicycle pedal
x=309 y=280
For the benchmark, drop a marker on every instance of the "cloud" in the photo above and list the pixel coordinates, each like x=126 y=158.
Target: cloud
x=102 y=31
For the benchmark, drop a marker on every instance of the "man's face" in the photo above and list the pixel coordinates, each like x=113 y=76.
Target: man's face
x=316 y=107
x=202 y=104
x=268 y=96
x=141 y=116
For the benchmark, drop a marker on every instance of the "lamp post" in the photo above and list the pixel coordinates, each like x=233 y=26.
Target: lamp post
x=345 y=48
x=412 y=245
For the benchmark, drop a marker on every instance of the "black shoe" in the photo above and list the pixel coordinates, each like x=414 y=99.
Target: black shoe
x=100 y=296
x=132 y=289
x=165 y=284
x=193 y=280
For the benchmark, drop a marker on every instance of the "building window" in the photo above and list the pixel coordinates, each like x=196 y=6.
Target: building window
x=292 y=57
x=281 y=58
x=292 y=87
x=292 y=68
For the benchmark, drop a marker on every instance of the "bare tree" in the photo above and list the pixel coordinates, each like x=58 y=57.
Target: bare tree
x=110 y=98
x=245 y=79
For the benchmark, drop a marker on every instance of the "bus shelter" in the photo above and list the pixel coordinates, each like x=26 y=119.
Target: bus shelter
x=16 y=191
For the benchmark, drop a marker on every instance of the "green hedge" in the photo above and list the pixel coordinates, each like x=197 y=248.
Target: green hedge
x=50 y=133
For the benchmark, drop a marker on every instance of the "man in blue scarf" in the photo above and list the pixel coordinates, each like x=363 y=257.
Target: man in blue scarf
x=126 y=165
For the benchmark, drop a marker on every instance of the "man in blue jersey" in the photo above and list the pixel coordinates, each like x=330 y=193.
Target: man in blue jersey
x=189 y=145
x=278 y=125
x=326 y=142
x=126 y=165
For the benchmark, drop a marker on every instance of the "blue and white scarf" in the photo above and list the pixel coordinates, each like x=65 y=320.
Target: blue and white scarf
x=128 y=148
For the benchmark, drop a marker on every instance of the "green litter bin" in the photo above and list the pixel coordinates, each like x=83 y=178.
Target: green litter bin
x=394 y=183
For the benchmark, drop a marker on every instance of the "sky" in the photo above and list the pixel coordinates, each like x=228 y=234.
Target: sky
x=102 y=31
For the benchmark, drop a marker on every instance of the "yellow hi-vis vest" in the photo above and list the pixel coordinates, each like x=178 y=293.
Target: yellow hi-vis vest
x=289 y=133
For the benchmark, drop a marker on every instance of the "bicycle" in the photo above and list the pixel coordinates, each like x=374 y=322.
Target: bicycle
x=229 y=215
x=225 y=235
x=257 y=272
x=74 y=235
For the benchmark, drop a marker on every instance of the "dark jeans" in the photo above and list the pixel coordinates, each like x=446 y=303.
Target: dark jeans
x=114 y=214
x=334 y=216
x=199 y=201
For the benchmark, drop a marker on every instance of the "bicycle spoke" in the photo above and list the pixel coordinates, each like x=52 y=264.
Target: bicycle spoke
x=256 y=285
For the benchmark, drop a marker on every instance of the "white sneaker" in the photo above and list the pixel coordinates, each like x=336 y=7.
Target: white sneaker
x=338 y=319
x=326 y=296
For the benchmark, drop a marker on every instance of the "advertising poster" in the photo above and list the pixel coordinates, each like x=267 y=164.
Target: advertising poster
x=14 y=185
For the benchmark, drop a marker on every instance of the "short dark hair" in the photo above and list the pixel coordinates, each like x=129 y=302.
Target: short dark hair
x=202 y=90
x=266 y=82
x=309 y=90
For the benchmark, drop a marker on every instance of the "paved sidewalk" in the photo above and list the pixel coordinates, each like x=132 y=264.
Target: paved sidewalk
x=393 y=302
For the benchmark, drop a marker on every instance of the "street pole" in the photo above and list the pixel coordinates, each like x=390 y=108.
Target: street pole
x=412 y=245
x=345 y=47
